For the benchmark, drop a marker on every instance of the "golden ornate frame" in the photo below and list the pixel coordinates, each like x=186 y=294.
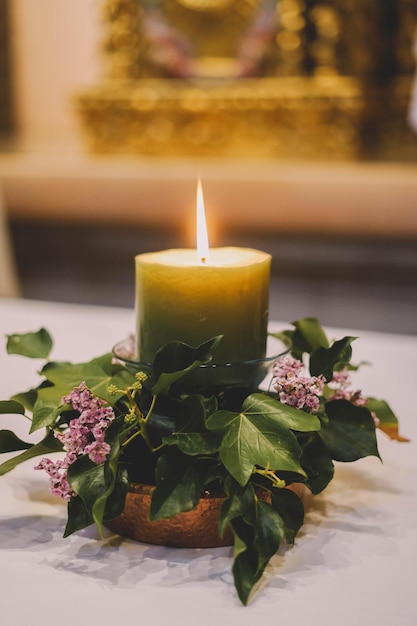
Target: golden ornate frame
x=315 y=93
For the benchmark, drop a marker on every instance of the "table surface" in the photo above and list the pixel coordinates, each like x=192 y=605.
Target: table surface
x=353 y=562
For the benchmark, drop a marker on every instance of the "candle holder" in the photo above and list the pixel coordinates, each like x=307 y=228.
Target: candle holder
x=222 y=379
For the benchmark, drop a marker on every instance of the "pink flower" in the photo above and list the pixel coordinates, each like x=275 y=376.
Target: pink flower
x=84 y=435
x=58 y=482
x=341 y=384
x=302 y=392
x=97 y=451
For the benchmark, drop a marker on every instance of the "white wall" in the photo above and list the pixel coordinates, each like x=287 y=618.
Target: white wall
x=56 y=50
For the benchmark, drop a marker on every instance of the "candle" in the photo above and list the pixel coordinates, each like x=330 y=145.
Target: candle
x=193 y=295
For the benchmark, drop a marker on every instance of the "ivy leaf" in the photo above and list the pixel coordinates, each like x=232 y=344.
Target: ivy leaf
x=306 y=337
x=26 y=398
x=291 y=510
x=102 y=487
x=195 y=443
x=323 y=360
x=98 y=374
x=292 y=418
x=11 y=407
x=259 y=527
x=63 y=377
x=180 y=480
x=309 y=334
x=103 y=495
x=388 y=421
x=111 y=501
x=260 y=435
x=35 y=345
x=78 y=516
x=177 y=359
x=9 y=442
x=45 y=411
x=48 y=444
x=192 y=438
x=317 y=462
x=258 y=535
x=196 y=409
x=269 y=531
x=239 y=500
x=349 y=434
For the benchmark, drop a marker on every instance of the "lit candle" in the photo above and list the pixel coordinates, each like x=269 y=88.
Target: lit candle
x=193 y=295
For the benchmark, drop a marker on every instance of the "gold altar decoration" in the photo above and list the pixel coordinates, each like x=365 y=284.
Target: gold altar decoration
x=274 y=78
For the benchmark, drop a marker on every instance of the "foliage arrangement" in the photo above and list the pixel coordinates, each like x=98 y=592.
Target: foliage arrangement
x=114 y=426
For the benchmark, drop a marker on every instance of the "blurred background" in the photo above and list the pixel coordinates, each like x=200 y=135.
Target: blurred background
x=299 y=115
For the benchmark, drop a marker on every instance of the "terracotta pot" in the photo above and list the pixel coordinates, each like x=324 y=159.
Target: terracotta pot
x=197 y=528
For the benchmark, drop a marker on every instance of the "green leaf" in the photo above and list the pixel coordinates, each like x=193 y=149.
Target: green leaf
x=26 y=398
x=63 y=377
x=98 y=374
x=196 y=408
x=309 y=334
x=194 y=443
x=291 y=509
x=260 y=435
x=239 y=500
x=292 y=418
x=177 y=359
x=35 y=345
x=324 y=360
x=317 y=462
x=78 y=516
x=11 y=406
x=388 y=421
x=349 y=434
x=257 y=538
x=269 y=532
x=111 y=501
x=45 y=411
x=102 y=487
x=180 y=480
x=91 y=482
x=9 y=442
x=245 y=562
x=46 y=446
x=192 y=438
x=306 y=337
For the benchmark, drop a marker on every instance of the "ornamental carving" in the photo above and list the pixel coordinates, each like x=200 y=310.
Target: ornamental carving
x=276 y=78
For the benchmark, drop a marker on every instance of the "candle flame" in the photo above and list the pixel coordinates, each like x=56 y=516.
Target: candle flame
x=202 y=236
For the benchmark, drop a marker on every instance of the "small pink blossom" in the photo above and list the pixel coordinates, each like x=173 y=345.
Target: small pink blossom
x=57 y=472
x=97 y=451
x=302 y=392
x=84 y=435
x=341 y=385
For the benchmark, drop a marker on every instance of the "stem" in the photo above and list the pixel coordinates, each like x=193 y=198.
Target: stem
x=270 y=474
x=146 y=419
x=142 y=422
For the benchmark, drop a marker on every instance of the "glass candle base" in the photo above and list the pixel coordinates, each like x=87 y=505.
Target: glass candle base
x=211 y=378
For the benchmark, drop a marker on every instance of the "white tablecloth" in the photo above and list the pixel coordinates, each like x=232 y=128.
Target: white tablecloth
x=353 y=563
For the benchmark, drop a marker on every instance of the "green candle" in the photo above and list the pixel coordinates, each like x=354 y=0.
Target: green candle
x=179 y=297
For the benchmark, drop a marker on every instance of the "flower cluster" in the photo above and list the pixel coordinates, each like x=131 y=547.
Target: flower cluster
x=341 y=388
x=341 y=384
x=302 y=392
x=84 y=435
